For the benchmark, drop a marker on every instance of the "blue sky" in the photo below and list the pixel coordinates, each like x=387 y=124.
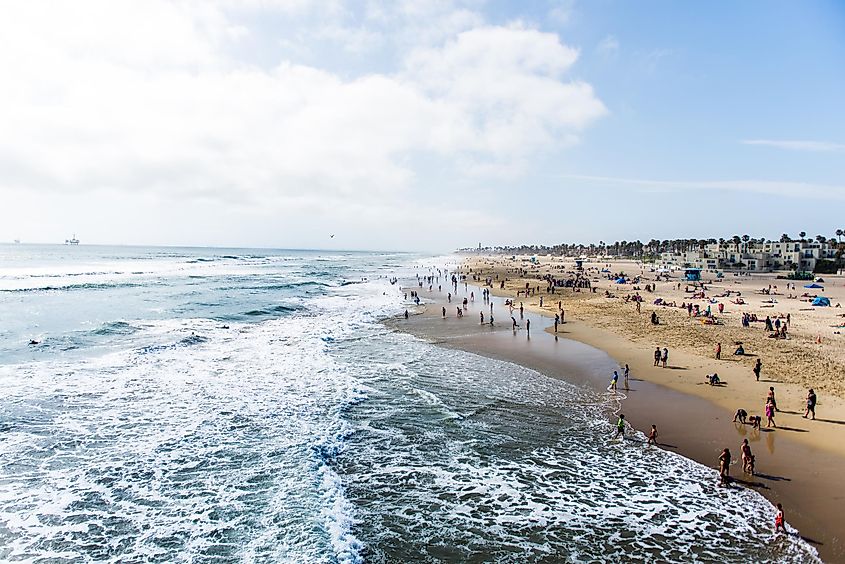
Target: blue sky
x=419 y=125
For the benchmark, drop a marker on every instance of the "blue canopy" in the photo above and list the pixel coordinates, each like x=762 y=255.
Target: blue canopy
x=620 y=280
x=813 y=286
x=821 y=301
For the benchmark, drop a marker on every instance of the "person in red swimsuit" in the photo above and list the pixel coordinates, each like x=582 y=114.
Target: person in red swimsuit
x=779 y=521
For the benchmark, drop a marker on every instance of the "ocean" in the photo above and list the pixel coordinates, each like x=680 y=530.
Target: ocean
x=247 y=405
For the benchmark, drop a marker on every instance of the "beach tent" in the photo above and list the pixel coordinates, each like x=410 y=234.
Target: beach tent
x=821 y=301
x=620 y=280
x=814 y=286
x=693 y=274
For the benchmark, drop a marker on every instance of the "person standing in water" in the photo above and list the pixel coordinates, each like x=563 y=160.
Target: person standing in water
x=614 y=380
x=620 y=426
x=652 y=436
x=747 y=457
x=528 y=327
x=627 y=370
x=725 y=466
x=780 y=524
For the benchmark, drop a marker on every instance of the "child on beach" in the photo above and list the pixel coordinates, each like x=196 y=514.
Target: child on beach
x=740 y=416
x=665 y=356
x=780 y=525
x=620 y=426
x=657 y=356
x=613 y=381
x=652 y=436
x=757 y=368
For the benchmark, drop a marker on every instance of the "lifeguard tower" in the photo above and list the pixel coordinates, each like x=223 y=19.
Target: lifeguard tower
x=693 y=274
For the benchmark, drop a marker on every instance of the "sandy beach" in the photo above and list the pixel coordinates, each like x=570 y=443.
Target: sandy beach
x=798 y=463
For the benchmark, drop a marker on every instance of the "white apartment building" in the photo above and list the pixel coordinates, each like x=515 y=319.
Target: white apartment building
x=753 y=256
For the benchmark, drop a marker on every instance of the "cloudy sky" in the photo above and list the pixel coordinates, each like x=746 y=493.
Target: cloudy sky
x=419 y=125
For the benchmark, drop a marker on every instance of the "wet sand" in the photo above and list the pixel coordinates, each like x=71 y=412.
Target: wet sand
x=805 y=478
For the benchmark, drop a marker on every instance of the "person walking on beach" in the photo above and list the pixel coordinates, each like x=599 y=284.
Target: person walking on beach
x=444 y=312
x=528 y=327
x=780 y=525
x=620 y=426
x=718 y=351
x=481 y=314
x=657 y=356
x=757 y=368
x=627 y=370
x=665 y=356
x=770 y=415
x=557 y=318
x=514 y=323
x=652 y=436
x=811 y=404
x=724 y=466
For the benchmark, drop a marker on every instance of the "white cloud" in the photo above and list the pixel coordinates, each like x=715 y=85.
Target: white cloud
x=816 y=146
x=608 y=47
x=149 y=98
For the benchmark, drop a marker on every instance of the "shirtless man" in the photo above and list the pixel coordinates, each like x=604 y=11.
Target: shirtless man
x=747 y=457
x=724 y=466
x=652 y=436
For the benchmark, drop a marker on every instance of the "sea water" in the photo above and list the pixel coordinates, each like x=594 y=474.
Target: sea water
x=243 y=405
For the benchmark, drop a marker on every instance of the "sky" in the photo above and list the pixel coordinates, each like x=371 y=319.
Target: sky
x=419 y=125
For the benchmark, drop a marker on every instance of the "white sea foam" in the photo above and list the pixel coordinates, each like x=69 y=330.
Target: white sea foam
x=221 y=444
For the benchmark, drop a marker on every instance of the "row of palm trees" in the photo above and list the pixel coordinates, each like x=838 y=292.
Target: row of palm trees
x=638 y=249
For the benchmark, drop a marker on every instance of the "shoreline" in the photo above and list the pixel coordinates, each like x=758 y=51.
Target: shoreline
x=689 y=424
